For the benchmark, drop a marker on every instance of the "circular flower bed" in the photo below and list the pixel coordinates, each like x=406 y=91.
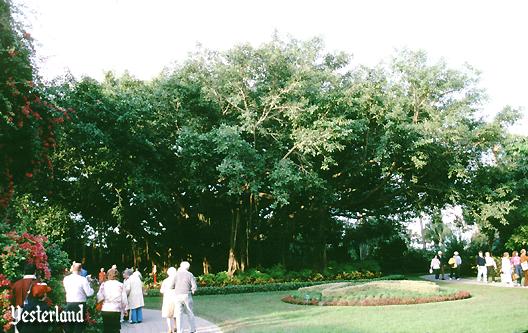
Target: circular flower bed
x=374 y=293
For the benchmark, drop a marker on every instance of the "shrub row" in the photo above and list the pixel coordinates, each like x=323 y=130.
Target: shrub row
x=380 y=301
x=278 y=273
x=281 y=286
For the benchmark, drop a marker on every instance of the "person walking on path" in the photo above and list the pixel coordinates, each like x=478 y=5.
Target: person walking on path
x=113 y=295
x=516 y=267
x=168 y=291
x=443 y=263
x=126 y=275
x=102 y=276
x=458 y=262
x=481 y=268
x=77 y=291
x=435 y=267
x=185 y=287
x=524 y=266
x=452 y=267
x=491 y=267
x=134 y=289
x=506 y=269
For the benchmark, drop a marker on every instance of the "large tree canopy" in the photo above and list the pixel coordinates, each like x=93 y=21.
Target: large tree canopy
x=282 y=153
x=256 y=156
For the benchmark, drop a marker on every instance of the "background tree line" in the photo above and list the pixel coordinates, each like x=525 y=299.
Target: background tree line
x=281 y=153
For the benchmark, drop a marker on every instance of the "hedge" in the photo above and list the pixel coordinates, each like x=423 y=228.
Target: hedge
x=282 y=286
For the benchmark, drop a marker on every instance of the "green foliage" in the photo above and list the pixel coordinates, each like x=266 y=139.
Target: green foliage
x=278 y=274
x=27 y=118
x=277 y=286
x=270 y=154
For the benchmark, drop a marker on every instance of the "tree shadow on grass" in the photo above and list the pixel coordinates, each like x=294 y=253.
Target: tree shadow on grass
x=280 y=319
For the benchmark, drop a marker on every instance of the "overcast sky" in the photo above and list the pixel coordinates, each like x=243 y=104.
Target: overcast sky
x=92 y=36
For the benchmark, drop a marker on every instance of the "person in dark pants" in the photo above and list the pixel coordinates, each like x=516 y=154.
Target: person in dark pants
x=458 y=262
x=491 y=266
x=113 y=295
x=443 y=263
x=77 y=290
x=435 y=266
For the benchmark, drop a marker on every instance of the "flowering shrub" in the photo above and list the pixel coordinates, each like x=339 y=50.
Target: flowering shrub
x=26 y=248
x=18 y=249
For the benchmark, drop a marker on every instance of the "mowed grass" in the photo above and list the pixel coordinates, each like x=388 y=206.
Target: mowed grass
x=491 y=309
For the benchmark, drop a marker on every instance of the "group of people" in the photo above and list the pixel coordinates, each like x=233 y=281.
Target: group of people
x=439 y=262
x=115 y=299
x=177 y=290
x=118 y=300
x=512 y=269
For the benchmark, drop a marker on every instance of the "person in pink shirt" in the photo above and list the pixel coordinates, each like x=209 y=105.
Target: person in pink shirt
x=516 y=265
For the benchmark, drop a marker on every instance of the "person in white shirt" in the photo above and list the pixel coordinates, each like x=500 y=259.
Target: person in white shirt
x=435 y=266
x=77 y=291
x=184 y=288
x=168 y=291
x=113 y=295
x=491 y=266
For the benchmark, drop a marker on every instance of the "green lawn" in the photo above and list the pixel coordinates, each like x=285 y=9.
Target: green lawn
x=491 y=309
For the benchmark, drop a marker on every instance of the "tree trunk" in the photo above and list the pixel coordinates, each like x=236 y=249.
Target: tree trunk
x=206 y=265
x=134 y=258
x=322 y=239
x=233 y=264
x=422 y=233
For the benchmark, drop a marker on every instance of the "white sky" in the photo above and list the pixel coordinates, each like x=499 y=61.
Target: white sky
x=91 y=36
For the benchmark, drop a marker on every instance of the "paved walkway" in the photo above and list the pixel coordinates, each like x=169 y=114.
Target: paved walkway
x=468 y=281
x=153 y=323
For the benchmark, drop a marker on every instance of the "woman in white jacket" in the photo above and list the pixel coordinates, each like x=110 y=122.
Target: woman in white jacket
x=113 y=295
x=168 y=291
x=506 y=269
x=134 y=289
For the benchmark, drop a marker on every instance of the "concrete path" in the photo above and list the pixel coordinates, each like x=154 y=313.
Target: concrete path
x=470 y=281
x=153 y=323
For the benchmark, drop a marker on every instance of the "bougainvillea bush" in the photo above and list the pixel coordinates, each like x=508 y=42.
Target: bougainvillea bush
x=17 y=249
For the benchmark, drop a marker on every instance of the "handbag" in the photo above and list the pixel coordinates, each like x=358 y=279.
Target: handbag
x=524 y=265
